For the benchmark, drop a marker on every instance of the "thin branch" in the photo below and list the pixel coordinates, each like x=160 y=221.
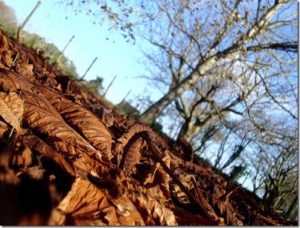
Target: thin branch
x=286 y=46
x=272 y=97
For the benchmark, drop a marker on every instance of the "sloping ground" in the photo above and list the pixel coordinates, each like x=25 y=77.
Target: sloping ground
x=67 y=159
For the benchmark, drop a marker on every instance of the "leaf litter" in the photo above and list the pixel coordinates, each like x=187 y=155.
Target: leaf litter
x=67 y=158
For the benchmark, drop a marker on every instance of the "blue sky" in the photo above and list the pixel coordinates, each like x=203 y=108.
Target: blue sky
x=115 y=56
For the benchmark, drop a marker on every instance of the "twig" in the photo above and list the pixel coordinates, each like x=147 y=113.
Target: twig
x=62 y=52
x=15 y=59
x=87 y=70
x=15 y=120
x=108 y=87
x=27 y=19
x=196 y=187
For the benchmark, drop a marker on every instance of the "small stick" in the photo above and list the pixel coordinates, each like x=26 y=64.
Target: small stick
x=16 y=120
x=27 y=19
x=196 y=187
x=62 y=52
x=123 y=100
x=87 y=70
x=110 y=84
x=15 y=59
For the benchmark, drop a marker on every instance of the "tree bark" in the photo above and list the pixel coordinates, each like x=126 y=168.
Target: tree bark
x=156 y=109
x=292 y=208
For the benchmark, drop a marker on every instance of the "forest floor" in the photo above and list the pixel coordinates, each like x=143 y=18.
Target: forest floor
x=67 y=158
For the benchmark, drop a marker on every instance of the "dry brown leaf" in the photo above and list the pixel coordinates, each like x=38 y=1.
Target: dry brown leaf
x=5 y=52
x=153 y=207
x=127 y=213
x=84 y=121
x=16 y=104
x=157 y=176
x=12 y=82
x=179 y=194
x=2 y=65
x=164 y=178
x=231 y=218
x=148 y=169
x=40 y=115
x=186 y=218
x=218 y=199
x=3 y=42
x=57 y=218
x=6 y=58
x=42 y=148
x=136 y=129
x=219 y=205
x=3 y=129
x=152 y=211
x=218 y=191
x=11 y=109
x=85 y=200
x=131 y=154
x=7 y=175
x=104 y=114
x=260 y=219
x=85 y=165
x=206 y=207
x=230 y=214
x=35 y=172
x=26 y=70
x=23 y=157
x=197 y=169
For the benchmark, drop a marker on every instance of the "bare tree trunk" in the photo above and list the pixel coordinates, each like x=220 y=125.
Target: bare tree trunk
x=292 y=208
x=185 y=129
x=155 y=110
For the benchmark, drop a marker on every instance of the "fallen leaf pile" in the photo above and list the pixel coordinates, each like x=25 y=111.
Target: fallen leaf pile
x=68 y=159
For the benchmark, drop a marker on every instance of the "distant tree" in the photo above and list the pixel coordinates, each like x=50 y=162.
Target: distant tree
x=95 y=86
x=7 y=15
x=8 y=20
x=275 y=176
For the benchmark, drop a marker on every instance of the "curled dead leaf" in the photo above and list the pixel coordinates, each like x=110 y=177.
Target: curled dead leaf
x=131 y=154
x=11 y=109
x=85 y=200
